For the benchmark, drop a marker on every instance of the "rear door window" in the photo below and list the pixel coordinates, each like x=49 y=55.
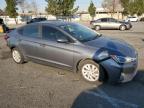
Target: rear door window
x=104 y=20
x=30 y=31
x=112 y=20
x=99 y=20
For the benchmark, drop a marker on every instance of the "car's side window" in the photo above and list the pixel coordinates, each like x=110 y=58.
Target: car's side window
x=30 y=31
x=112 y=20
x=99 y=20
x=104 y=20
x=51 y=34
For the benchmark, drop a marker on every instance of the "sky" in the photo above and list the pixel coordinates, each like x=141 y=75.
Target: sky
x=83 y=4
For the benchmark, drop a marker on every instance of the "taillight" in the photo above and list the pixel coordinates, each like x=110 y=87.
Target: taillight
x=6 y=36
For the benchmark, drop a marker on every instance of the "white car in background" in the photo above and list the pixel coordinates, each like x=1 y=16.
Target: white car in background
x=132 y=19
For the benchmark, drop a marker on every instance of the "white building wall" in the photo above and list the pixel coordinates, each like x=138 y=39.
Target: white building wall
x=87 y=17
x=8 y=20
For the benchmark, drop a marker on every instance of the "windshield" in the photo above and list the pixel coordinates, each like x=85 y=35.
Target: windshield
x=80 y=32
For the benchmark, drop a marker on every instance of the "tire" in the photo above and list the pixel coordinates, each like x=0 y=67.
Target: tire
x=17 y=56
x=97 y=27
x=122 y=27
x=86 y=74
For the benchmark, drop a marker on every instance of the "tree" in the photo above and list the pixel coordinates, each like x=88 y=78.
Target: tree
x=61 y=7
x=111 y=6
x=11 y=9
x=1 y=12
x=24 y=5
x=34 y=7
x=126 y=6
x=132 y=7
x=53 y=8
x=92 y=10
x=74 y=10
x=138 y=7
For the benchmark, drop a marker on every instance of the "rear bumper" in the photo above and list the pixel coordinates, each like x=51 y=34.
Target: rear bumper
x=120 y=72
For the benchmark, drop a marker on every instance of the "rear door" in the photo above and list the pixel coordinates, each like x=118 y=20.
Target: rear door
x=104 y=23
x=113 y=23
x=29 y=37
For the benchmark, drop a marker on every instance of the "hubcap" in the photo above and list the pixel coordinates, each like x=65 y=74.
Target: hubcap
x=122 y=28
x=97 y=27
x=90 y=72
x=16 y=56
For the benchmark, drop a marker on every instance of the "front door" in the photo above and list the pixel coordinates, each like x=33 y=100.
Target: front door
x=52 y=51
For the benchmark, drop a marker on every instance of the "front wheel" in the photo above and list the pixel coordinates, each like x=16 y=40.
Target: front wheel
x=89 y=71
x=122 y=27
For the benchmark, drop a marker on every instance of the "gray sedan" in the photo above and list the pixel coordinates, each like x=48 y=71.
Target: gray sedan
x=75 y=47
x=110 y=23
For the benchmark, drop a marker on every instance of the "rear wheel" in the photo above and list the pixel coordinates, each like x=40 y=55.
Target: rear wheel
x=89 y=71
x=122 y=27
x=17 y=56
x=97 y=27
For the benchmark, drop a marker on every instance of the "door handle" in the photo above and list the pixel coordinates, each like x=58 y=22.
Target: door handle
x=43 y=45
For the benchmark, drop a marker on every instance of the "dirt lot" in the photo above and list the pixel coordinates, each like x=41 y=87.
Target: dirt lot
x=33 y=85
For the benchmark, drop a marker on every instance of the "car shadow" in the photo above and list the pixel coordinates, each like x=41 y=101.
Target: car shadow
x=126 y=95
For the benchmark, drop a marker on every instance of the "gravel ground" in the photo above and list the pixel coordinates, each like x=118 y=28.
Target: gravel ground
x=33 y=85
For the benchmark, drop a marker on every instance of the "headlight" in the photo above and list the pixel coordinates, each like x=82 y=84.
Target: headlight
x=123 y=60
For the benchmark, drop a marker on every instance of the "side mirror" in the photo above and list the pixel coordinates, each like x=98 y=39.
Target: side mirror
x=62 y=40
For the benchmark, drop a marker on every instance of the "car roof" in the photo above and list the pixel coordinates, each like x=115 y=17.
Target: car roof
x=106 y=18
x=55 y=22
x=131 y=17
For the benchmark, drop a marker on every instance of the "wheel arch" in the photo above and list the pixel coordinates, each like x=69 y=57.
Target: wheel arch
x=12 y=47
x=21 y=51
x=122 y=25
x=79 y=62
x=97 y=25
x=105 y=75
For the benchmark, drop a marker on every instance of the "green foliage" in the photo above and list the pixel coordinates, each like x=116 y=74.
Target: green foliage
x=11 y=8
x=61 y=7
x=92 y=10
x=133 y=7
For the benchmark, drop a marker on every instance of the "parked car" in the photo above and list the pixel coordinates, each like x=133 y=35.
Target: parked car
x=142 y=19
x=3 y=27
x=132 y=19
x=110 y=23
x=36 y=20
x=75 y=47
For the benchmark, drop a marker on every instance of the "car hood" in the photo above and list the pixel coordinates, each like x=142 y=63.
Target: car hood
x=124 y=22
x=113 y=46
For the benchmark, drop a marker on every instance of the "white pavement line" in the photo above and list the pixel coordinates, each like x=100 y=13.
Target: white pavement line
x=111 y=100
